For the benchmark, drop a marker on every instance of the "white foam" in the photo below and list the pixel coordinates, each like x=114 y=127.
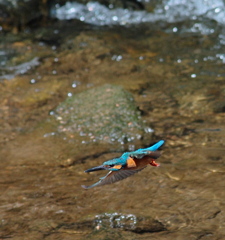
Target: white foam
x=169 y=11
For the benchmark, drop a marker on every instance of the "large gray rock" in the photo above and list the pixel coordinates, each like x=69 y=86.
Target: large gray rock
x=107 y=113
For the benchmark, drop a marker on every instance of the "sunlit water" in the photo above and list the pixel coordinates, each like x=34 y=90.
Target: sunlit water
x=173 y=65
x=169 y=11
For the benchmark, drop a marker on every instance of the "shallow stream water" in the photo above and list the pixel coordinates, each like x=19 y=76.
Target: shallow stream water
x=175 y=72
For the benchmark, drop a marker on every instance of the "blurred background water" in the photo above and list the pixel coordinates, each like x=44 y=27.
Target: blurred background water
x=82 y=82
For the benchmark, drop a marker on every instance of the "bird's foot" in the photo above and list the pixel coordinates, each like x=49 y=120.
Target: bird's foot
x=154 y=164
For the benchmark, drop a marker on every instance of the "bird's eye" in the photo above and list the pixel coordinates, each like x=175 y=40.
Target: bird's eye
x=112 y=165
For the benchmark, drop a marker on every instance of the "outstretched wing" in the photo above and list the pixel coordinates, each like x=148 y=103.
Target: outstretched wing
x=114 y=176
x=150 y=151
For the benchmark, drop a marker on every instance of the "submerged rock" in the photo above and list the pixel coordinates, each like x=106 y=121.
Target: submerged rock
x=110 y=226
x=128 y=222
x=107 y=113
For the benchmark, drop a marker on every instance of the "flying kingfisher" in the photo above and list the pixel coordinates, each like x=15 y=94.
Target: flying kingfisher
x=126 y=165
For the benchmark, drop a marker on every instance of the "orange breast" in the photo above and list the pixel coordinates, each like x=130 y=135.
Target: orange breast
x=134 y=163
x=131 y=163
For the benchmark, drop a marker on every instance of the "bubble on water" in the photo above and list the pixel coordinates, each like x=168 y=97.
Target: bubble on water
x=75 y=84
x=49 y=134
x=60 y=211
x=175 y=29
x=51 y=113
x=82 y=18
x=196 y=61
x=32 y=81
x=217 y=10
x=131 y=147
x=117 y=58
x=149 y=130
x=221 y=57
x=115 y=18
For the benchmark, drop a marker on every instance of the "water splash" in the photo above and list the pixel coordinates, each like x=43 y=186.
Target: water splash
x=115 y=220
x=97 y=14
x=128 y=222
x=169 y=11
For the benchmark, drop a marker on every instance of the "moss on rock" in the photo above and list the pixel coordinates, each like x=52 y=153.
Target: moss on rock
x=106 y=113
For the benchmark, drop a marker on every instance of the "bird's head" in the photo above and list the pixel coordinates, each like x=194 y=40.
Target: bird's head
x=111 y=165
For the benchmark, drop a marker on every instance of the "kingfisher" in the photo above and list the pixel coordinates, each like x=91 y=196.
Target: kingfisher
x=126 y=165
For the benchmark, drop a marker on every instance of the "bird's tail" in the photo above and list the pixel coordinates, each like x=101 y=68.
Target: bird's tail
x=156 y=146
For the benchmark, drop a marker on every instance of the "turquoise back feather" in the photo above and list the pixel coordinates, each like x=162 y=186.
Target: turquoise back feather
x=137 y=154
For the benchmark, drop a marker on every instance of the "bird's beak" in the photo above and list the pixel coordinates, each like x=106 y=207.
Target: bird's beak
x=102 y=167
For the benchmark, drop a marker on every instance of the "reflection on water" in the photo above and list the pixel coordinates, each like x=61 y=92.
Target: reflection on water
x=20 y=69
x=116 y=220
x=175 y=73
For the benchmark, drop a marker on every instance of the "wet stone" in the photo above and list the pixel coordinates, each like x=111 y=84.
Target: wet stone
x=103 y=114
x=147 y=224
x=128 y=222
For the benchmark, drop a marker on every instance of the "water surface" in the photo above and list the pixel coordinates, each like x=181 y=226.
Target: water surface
x=175 y=72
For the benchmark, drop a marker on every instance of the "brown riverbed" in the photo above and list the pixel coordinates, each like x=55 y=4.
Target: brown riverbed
x=41 y=177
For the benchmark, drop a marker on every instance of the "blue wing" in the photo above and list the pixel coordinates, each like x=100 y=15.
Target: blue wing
x=113 y=176
x=140 y=153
